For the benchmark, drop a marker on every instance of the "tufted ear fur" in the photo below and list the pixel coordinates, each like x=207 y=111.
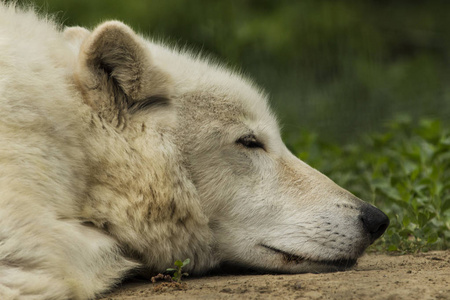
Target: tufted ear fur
x=75 y=35
x=115 y=71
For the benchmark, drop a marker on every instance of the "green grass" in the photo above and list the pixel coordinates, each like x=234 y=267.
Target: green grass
x=405 y=171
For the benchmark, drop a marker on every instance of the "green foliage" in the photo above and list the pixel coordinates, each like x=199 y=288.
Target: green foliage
x=178 y=271
x=405 y=171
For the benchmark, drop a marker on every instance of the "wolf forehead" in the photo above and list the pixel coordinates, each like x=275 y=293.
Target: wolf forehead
x=211 y=89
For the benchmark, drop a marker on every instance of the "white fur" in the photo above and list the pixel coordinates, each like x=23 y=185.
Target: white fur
x=121 y=154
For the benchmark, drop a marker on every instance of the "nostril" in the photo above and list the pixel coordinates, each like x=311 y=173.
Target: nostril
x=374 y=221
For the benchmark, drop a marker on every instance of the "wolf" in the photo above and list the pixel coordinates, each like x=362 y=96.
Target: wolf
x=119 y=155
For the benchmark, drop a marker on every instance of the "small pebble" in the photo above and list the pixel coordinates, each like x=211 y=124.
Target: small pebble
x=298 y=286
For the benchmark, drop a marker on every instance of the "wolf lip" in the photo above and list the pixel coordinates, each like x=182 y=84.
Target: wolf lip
x=288 y=257
x=292 y=258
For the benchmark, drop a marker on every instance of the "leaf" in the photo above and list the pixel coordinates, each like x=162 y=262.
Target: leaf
x=423 y=219
x=432 y=238
x=406 y=221
x=385 y=187
x=445 y=205
x=170 y=269
x=445 y=141
x=186 y=262
x=178 y=263
x=392 y=248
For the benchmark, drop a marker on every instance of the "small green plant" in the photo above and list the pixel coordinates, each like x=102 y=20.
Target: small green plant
x=178 y=271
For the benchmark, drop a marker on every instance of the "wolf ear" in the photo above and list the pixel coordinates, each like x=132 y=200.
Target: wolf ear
x=115 y=68
x=75 y=36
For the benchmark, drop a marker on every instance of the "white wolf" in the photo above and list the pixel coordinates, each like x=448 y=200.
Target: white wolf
x=120 y=154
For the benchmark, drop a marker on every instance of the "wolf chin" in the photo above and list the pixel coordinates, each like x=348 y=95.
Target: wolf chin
x=119 y=154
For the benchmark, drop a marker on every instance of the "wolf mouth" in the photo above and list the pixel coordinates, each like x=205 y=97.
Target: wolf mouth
x=297 y=259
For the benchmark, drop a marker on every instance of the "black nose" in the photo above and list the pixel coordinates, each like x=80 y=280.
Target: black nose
x=374 y=221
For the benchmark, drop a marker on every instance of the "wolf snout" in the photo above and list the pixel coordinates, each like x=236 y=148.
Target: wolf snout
x=375 y=222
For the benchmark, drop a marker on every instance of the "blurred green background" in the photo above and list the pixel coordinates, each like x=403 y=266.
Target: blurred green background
x=337 y=72
x=339 y=68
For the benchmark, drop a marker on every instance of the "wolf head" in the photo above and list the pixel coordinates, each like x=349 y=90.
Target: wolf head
x=260 y=206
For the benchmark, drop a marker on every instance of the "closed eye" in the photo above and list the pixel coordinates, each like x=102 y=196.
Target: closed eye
x=250 y=141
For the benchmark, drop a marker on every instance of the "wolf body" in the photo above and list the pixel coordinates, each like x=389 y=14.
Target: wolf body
x=121 y=154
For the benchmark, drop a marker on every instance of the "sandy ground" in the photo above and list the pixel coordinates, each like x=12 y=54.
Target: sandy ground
x=419 y=276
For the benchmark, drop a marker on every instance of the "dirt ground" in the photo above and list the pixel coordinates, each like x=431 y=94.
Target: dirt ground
x=377 y=276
